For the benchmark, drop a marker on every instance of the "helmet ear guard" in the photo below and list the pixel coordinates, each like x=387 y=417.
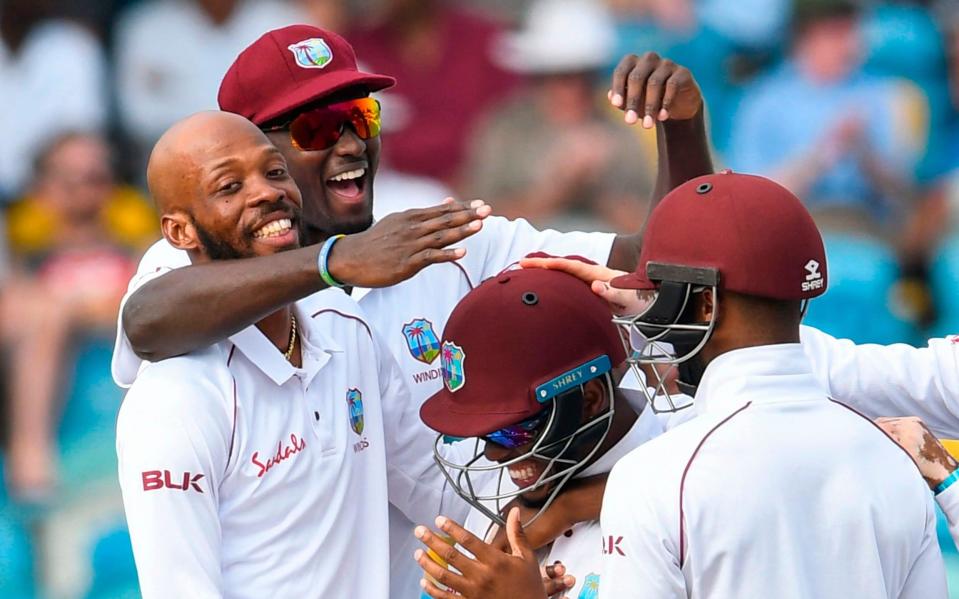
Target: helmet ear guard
x=670 y=320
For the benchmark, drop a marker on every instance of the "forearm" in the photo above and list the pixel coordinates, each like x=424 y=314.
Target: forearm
x=683 y=150
x=683 y=154
x=196 y=306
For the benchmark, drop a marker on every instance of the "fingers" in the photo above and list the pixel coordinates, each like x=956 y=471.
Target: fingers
x=517 y=537
x=433 y=591
x=445 y=551
x=482 y=551
x=636 y=83
x=617 y=91
x=448 y=205
x=455 y=215
x=560 y=584
x=424 y=258
x=443 y=237
x=443 y=576
x=680 y=79
x=555 y=570
x=656 y=86
x=579 y=269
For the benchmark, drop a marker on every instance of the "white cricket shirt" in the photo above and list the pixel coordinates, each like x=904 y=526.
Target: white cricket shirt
x=772 y=490
x=579 y=547
x=243 y=476
x=410 y=318
x=895 y=380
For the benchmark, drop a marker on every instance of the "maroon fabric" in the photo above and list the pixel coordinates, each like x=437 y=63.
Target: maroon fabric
x=265 y=81
x=755 y=231
x=441 y=98
x=511 y=347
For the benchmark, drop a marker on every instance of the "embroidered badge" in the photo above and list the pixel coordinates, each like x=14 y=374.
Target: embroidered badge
x=454 y=376
x=354 y=399
x=590 y=588
x=422 y=340
x=313 y=53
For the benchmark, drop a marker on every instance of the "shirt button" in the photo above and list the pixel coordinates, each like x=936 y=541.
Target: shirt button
x=568 y=533
x=316 y=415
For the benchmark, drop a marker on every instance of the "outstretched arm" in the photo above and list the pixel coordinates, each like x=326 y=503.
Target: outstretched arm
x=195 y=306
x=659 y=93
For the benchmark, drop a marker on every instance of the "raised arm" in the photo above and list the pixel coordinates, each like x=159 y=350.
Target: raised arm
x=195 y=306
x=659 y=93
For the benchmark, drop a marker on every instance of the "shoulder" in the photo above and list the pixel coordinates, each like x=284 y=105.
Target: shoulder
x=194 y=388
x=664 y=458
x=162 y=256
x=335 y=312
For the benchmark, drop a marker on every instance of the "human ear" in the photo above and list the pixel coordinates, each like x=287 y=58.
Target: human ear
x=595 y=398
x=178 y=229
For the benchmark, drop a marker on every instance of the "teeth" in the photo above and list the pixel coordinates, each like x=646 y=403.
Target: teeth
x=274 y=229
x=349 y=175
x=521 y=473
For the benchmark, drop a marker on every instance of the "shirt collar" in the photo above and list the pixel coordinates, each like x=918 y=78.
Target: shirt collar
x=761 y=373
x=646 y=427
x=316 y=347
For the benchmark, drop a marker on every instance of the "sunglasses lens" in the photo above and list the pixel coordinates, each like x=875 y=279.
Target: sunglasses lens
x=321 y=128
x=518 y=435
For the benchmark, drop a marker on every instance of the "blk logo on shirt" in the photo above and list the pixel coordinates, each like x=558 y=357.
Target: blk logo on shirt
x=611 y=545
x=164 y=479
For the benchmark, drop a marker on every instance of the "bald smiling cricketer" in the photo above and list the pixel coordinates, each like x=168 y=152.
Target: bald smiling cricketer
x=256 y=467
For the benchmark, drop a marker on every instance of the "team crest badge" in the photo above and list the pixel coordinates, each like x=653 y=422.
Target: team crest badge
x=313 y=53
x=422 y=340
x=590 y=588
x=354 y=399
x=454 y=377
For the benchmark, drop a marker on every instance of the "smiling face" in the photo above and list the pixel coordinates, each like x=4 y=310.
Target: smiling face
x=223 y=189
x=527 y=472
x=337 y=183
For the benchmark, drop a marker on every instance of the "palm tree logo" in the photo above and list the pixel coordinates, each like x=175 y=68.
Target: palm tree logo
x=454 y=375
x=313 y=53
x=422 y=341
x=590 y=588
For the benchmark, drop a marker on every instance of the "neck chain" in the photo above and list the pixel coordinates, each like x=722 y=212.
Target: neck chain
x=289 y=349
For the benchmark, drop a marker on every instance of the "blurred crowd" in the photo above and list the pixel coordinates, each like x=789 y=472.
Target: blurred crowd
x=854 y=105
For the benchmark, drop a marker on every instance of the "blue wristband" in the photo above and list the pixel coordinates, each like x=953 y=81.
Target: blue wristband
x=324 y=258
x=946 y=483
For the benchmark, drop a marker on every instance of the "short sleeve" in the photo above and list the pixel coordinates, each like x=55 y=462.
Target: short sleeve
x=160 y=259
x=172 y=455
x=503 y=242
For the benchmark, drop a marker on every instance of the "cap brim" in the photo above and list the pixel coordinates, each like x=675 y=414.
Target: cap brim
x=444 y=416
x=320 y=87
x=632 y=281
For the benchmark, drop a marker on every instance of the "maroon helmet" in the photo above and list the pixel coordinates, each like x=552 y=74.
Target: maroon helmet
x=516 y=353
x=725 y=231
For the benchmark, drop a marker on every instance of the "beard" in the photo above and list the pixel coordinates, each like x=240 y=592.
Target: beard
x=218 y=249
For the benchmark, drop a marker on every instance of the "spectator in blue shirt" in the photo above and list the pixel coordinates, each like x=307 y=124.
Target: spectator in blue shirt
x=832 y=134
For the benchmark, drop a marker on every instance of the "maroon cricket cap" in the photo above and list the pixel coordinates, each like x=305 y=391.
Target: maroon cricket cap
x=515 y=342
x=291 y=67
x=754 y=231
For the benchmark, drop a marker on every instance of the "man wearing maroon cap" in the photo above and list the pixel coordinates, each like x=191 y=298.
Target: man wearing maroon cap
x=749 y=501
x=300 y=84
x=538 y=384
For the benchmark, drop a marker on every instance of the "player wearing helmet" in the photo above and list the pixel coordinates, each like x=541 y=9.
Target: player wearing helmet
x=748 y=502
x=535 y=387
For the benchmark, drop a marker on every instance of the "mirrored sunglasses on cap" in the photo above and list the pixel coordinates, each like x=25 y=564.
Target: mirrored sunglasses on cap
x=320 y=128
x=519 y=434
